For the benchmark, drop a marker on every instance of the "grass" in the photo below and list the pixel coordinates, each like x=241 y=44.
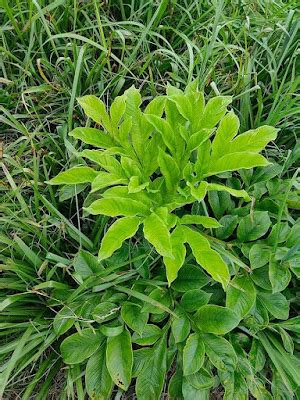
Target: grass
x=53 y=52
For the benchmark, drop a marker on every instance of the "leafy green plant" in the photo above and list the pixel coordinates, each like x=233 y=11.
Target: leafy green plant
x=155 y=162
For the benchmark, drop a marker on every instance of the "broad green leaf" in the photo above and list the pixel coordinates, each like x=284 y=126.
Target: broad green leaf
x=228 y=225
x=161 y=296
x=175 y=385
x=200 y=380
x=120 y=230
x=150 y=335
x=64 y=320
x=190 y=277
x=104 y=179
x=95 y=108
x=133 y=317
x=74 y=176
x=292 y=324
x=174 y=264
x=241 y=295
x=233 y=192
x=253 y=226
x=150 y=381
x=157 y=233
x=207 y=222
x=193 y=354
x=169 y=170
x=191 y=393
x=115 y=206
x=208 y=258
x=216 y=319
x=279 y=275
x=93 y=136
x=119 y=359
x=80 y=346
x=220 y=202
x=257 y=356
x=140 y=357
x=86 y=264
x=105 y=311
x=180 y=327
x=276 y=304
x=235 y=386
x=235 y=161
x=97 y=379
x=220 y=352
x=226 y=131
x=259 y=255
x=193 y=299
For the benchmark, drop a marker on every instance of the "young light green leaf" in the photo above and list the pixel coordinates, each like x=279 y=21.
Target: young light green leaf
x=193 y=354
x=207 y=222
x=214 y=110
x=198 y=192
x=174 y=263
x=104 y=159
x=164 y=128
x=119 y=359
x=216 y=319
x=93 y=136
x=115 y=206
x=95 y=108
x=122 y=229
x=117 y=109
x=80 y=346
x=208 y=258
x=169 y=170
x=254 y=140
x=74 y=176
x=157 y=233
x=235 y=161
x=105 y=179
x=233 y=192
x=226 y=131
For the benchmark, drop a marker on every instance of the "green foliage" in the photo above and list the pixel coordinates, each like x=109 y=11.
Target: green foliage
x=55 y=293
x=157 y=161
